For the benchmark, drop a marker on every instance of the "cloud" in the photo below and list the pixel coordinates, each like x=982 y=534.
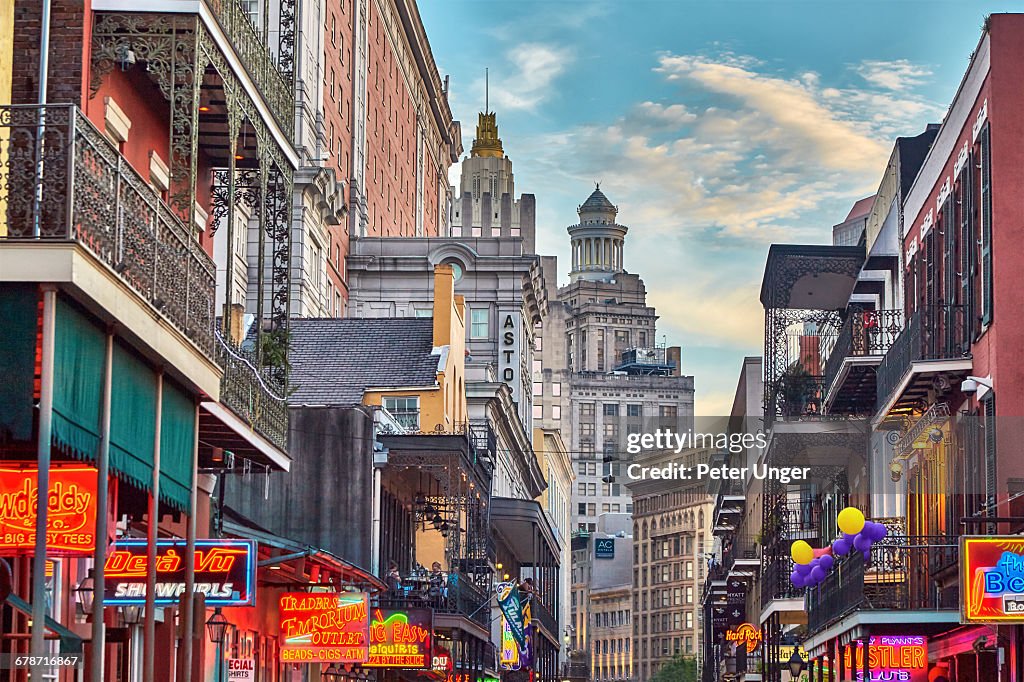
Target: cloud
x=528 y=79
x=899 y=74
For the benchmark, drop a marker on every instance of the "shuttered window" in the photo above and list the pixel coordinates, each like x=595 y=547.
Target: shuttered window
x=989 y=407
x=967 y=241
x=986 y=225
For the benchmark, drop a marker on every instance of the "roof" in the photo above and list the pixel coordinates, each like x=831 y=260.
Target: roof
x=810 y=277
x=597 y=201
x=334 y=361
x=860 y=209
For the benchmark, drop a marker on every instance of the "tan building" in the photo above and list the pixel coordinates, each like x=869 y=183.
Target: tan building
x=611 y=633
x=672 y=524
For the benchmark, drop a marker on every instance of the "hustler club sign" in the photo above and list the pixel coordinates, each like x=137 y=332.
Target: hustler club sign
x=70 y=510
x=325 y=627
x=225 y=572
x=992 y=579
x=401 y=638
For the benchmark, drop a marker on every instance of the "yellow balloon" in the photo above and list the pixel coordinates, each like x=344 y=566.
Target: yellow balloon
x=851 y=520
x=801 y=552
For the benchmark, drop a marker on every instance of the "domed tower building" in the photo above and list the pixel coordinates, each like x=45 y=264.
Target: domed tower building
x=597 y=240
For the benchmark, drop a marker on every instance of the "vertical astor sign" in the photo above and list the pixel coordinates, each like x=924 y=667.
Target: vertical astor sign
x=510 y=346
x=71 y=509
x=325 y=627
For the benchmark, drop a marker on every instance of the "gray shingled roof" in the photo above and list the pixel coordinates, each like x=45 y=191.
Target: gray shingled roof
x=334 y=361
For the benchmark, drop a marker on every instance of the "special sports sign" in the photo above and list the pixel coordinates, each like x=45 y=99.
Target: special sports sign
x=401 y=638
x=992 y=579
x=70 y=509
x=225 y=572
x=325 y=627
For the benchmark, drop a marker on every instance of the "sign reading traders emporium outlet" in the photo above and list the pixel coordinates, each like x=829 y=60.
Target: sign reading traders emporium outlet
x=325 y=627
x=992 y=579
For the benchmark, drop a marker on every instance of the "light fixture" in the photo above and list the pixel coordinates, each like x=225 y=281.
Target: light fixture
x=895 y=471
x=333 y=672
x=796 y=663
x=505 y=577
x=203 y=109
x=217 y=627
x=86 y=594
x=499 y=566
x=218 y=455
x=132 y=614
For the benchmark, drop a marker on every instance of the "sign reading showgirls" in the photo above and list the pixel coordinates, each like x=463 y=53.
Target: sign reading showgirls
x=70 y=509
x=225 y=572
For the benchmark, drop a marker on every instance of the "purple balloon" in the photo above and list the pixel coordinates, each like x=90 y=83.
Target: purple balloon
x=817 y=575
x=867 y=555
x=796 y=579
x=862 y=543
x=878 y=531
x=826 y=561
x=841 y=546
x=802 y=569
x=850 y=537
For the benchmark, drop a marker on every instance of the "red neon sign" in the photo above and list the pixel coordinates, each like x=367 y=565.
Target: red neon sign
x=324 y=627
x=902 y=658
x=70 y=510
x=992 y=579
x=401 y=639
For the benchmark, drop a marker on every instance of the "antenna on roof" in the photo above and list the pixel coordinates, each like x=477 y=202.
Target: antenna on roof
x=487 y=91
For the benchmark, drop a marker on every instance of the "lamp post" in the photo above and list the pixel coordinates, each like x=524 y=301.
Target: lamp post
x=85 y=593
x=216 y=630
x=796 y=664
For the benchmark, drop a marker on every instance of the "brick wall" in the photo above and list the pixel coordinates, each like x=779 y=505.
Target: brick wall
x=68 y=27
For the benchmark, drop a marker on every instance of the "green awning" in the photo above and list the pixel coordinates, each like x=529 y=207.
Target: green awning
x=19 y=310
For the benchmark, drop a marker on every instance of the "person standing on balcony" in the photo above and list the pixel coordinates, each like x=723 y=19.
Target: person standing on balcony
x=393 y=579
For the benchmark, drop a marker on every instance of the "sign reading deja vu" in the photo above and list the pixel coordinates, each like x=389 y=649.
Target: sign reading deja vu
x=510 y=346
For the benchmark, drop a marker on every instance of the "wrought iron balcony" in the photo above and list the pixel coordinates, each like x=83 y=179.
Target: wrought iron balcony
x=898 y=577
x=741 y=547
x=864 y=334
x=796 y=396
x=775 y=583
x=458 y=596
x=62 y=180
x=937 y=332
x=255 y=394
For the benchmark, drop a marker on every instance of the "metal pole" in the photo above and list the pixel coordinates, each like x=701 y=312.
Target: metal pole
x=188 y=616
x=39 y=647
x=149 y=632
x=99 y=648
x=44 y=63
x=375 y=527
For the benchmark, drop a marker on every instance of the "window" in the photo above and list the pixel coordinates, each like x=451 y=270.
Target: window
x=538 y=388
x=611 y=409
x=538 y=411
x=538 y=366
x=538 y=344
x=581 y=509
x=479 y=323
x=424 y=312
x=667 y=411
x=600 y=350
x=405 y=410
x=592 y=509
x=634 y=410
x=689 y=619
x=556 y=389
x=689 y=595
x=586 y=409
x=556 y=412
x=986 y=226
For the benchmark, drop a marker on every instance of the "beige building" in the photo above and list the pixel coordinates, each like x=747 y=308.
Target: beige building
x=611 y=633
x=672 y=530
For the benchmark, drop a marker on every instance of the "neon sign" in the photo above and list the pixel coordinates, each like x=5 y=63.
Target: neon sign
x=225 y=571
x=892 y=658
x=325 y=627
x=509 y=656
x=70 y=510
x=745 y=634
x=401 y=639
x=992 y=579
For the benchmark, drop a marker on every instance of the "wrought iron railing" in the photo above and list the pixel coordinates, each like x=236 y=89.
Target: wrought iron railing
x=795 y=397
x=898 y=577
x=775 y=583
x=864 y=333
x=542 y=613
x=62 y=180
x=740 y=546
x=254 y=393
x=935 y=332
x=252 y=49
x=458 y=596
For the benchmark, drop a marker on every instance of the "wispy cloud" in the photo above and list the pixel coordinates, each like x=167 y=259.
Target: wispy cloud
x=527 y=77
x=898 y=74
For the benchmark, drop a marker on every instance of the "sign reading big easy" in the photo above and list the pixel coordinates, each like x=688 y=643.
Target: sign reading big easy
x=401 y=639
x=70 y=509
x=992 y=579
x=225 y=572
x=325 y=627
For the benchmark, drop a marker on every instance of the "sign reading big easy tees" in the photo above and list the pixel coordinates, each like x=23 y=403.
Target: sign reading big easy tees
x=225 y=572
x=992 y=579
x=401 y=638
x=70 y=509
x=325 y=627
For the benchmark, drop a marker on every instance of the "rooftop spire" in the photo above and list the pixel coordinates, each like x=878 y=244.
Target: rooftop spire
x=487 y=142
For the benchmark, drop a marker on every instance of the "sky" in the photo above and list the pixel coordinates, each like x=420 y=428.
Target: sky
x=718 y=127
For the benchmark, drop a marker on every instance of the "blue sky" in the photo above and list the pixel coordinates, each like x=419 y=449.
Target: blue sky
x=717 y=126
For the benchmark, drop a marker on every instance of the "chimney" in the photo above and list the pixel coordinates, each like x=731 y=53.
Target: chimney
x=235 y=322
x=674 y=355
x=444 y=303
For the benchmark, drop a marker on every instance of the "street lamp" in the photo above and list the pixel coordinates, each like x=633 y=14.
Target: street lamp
x=217 y=629
x=333 y=672
x=796 y=664
x=85 y=592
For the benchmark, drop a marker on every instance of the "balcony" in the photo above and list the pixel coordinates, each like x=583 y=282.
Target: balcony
x=255 y=394
x=899 y=577
x=62 y=181
x=776 y=586
x=741 y=555
x=928 y=355
x=863 y=340
x=459 y=597
x=797 y=396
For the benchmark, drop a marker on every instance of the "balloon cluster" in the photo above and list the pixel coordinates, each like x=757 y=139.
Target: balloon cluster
x=813 y=565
